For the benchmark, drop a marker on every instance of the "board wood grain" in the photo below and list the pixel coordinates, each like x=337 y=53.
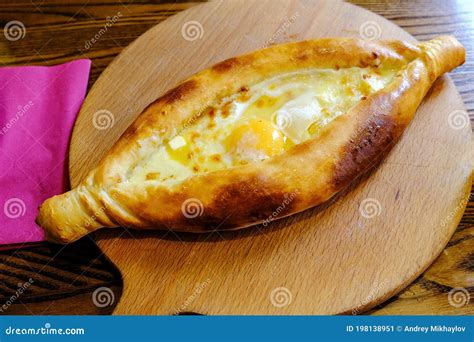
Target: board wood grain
x=326 y=260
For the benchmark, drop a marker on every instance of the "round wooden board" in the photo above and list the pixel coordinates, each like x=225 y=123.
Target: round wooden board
x=336 y=259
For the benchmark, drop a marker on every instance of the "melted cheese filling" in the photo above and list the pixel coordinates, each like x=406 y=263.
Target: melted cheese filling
x=261 y=121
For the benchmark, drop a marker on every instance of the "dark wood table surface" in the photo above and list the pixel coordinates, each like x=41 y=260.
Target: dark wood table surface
x=63 y=278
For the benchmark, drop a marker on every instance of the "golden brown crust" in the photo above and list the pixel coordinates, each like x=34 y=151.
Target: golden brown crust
x=307 y=175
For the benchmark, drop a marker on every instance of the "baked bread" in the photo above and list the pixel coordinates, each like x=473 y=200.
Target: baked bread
x=255 y=138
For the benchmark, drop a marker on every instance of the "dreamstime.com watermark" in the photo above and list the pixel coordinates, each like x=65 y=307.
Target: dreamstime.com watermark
x=14 y=30
x=458 y=297
x=281 y=297
x=192 y=30
x=103 y=297
x=458 y=119
x=110 y=21
x=197 y=291
x=281 y=208
x=192 y=208
x=282 y=120
x=370 y=208
x=370 y=298
x=93 y=219
x=190 y=121
x=460 y=206
x=14 y=208
x=14 y=297
x=103 y=119
x=21 y=110
x=281 y=29
x=370 y=30
x=46 y=330
x=99 y=213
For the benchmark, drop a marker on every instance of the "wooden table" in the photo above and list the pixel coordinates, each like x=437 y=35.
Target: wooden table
x=63 y=279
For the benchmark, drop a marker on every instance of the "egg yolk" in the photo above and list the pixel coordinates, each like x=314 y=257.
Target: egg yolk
x=256 y=139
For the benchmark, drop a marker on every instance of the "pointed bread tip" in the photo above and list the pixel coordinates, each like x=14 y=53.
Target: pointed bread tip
x=443 y=54
x=63 y=218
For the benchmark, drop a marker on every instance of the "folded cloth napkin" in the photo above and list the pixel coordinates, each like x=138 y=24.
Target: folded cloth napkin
x=38 y=106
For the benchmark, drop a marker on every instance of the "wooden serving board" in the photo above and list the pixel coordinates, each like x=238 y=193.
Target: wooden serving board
x=347 y=256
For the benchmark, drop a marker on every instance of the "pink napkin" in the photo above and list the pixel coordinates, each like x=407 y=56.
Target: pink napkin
x=38 y=106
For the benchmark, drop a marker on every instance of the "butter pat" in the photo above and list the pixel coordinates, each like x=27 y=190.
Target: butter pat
x=177 y=142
